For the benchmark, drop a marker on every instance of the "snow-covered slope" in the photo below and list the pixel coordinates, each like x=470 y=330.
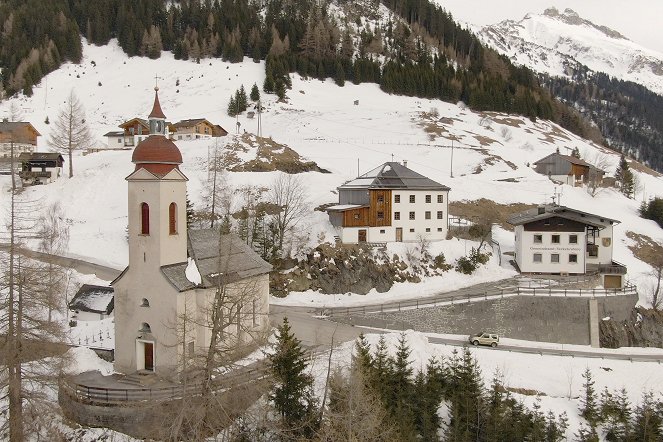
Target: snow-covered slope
x=491 y=157
x=555 y=42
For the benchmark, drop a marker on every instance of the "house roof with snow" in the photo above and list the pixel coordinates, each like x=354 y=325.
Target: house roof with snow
x=550 y=211
x=217 y=258
x=116 y=133
x=31 y=157
x=393 y=175
x=94 y=299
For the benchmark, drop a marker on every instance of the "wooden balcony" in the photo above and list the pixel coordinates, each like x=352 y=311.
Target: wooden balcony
x=615 y=268
x=29 y=174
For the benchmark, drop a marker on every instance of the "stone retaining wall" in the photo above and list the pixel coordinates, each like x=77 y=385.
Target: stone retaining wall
x=543 y=319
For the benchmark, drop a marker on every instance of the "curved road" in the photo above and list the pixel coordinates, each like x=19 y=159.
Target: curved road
x=316 y=331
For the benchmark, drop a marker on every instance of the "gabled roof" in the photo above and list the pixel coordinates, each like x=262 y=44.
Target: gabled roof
x=219 y=259
x=40 y=156
x=8 y=126
x=140 y=120
x=569 y=158
x=94 y=299
x=392 y=175
x=550 y=211
x=117 y=133
x=190 y=122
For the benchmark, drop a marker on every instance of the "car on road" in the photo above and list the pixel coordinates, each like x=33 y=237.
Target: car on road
x=485 y=338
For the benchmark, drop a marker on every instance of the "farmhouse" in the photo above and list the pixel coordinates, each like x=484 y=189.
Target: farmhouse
x=92 y=303
x=133 y=132
x=391 y=203
x=165 y=299
x=195 y=128
x=559 y=240
x=21 y=134
x=40 y=167
x=568 y=169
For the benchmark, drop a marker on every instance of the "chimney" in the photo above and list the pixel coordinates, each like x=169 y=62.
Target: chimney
x=404 y=163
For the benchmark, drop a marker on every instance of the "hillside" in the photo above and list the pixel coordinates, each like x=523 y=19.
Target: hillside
x=491 y=156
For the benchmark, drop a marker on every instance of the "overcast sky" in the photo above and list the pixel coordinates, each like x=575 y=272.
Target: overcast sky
x=638 y=20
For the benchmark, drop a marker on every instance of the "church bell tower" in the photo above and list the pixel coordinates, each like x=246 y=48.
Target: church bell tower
x=157 y=200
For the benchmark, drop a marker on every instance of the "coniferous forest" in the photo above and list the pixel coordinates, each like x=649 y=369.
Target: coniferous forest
x=418 y=50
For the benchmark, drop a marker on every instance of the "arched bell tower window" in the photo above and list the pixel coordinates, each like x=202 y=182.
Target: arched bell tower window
x=172 y=219
x=145 y=303
x=144 y=219
x=145 y=328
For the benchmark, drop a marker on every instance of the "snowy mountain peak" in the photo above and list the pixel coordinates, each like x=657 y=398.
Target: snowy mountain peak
x=558 y=43
x=571 y=17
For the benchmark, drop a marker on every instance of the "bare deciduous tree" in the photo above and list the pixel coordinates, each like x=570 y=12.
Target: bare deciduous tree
x=600 y=161
x=71 y=131
x=289 y=193
x=654 y=294
x=53 y=237
x=26 y=376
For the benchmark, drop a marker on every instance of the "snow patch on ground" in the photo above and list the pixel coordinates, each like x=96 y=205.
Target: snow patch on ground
x=83 y=359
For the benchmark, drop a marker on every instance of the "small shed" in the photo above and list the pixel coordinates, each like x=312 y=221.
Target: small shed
x=92 y=303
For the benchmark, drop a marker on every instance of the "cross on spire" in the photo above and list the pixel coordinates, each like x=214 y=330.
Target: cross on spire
x=156 y=82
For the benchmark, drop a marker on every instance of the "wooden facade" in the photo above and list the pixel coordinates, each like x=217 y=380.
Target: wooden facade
x=379 y=214
x=554 y=224
x=135 y=126
x=356 y=217
x=22 y=133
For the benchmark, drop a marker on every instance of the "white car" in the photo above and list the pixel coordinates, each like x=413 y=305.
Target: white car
x=485 y=338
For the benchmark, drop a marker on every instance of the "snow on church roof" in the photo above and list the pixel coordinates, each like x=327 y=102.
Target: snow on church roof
x=218 y=258
x=393 y=175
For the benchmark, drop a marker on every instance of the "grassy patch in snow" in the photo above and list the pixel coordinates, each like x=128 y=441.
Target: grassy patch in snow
x=484 y=209
x=645 y=248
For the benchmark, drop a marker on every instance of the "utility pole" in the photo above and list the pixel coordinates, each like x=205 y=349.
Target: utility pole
x=452 y=158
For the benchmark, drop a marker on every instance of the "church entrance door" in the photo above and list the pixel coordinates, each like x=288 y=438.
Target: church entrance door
x=149 y=356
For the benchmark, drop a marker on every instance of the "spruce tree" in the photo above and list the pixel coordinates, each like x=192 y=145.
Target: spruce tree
x=588 y=403
x=232 y=107
x=242 y=101
x=292 y=394
x=624 y=176
x=362 y=358
x=255 y=92
x=647 y=425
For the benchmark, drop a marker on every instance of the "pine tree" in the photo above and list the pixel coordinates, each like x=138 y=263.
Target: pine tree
x=624 y=176
x=242 y=101
x=255 y=92
x=292 y=395
x=232 y=107
x=588 y=403
x=362 y=356
x=647 y=425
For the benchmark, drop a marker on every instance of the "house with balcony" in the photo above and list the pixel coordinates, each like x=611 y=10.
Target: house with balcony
x=552 y=239
x=568 y=169
x=40 y=167
x=194 y=129
x=390 y=203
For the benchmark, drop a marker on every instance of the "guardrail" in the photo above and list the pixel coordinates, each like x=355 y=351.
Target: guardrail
x=441 y=300
x=114 y=396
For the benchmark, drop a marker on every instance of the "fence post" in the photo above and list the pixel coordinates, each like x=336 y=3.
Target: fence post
x=399 y=306
x=417 y=303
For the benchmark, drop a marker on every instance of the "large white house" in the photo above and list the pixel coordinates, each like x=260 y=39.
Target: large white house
x=165 y=299
x=391 y=203
x=555 y=239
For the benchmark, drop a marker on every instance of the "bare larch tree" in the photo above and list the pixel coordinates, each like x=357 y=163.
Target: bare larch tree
x=71 y=131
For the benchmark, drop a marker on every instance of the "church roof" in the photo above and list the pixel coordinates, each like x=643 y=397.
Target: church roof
x=156 y=108
x=393 y=175
x=219 y=259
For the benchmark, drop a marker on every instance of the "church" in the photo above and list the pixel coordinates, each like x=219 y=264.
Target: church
x=182 y=289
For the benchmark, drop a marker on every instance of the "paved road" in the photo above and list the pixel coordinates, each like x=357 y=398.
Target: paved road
x=85 y=267
x=314 y=331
